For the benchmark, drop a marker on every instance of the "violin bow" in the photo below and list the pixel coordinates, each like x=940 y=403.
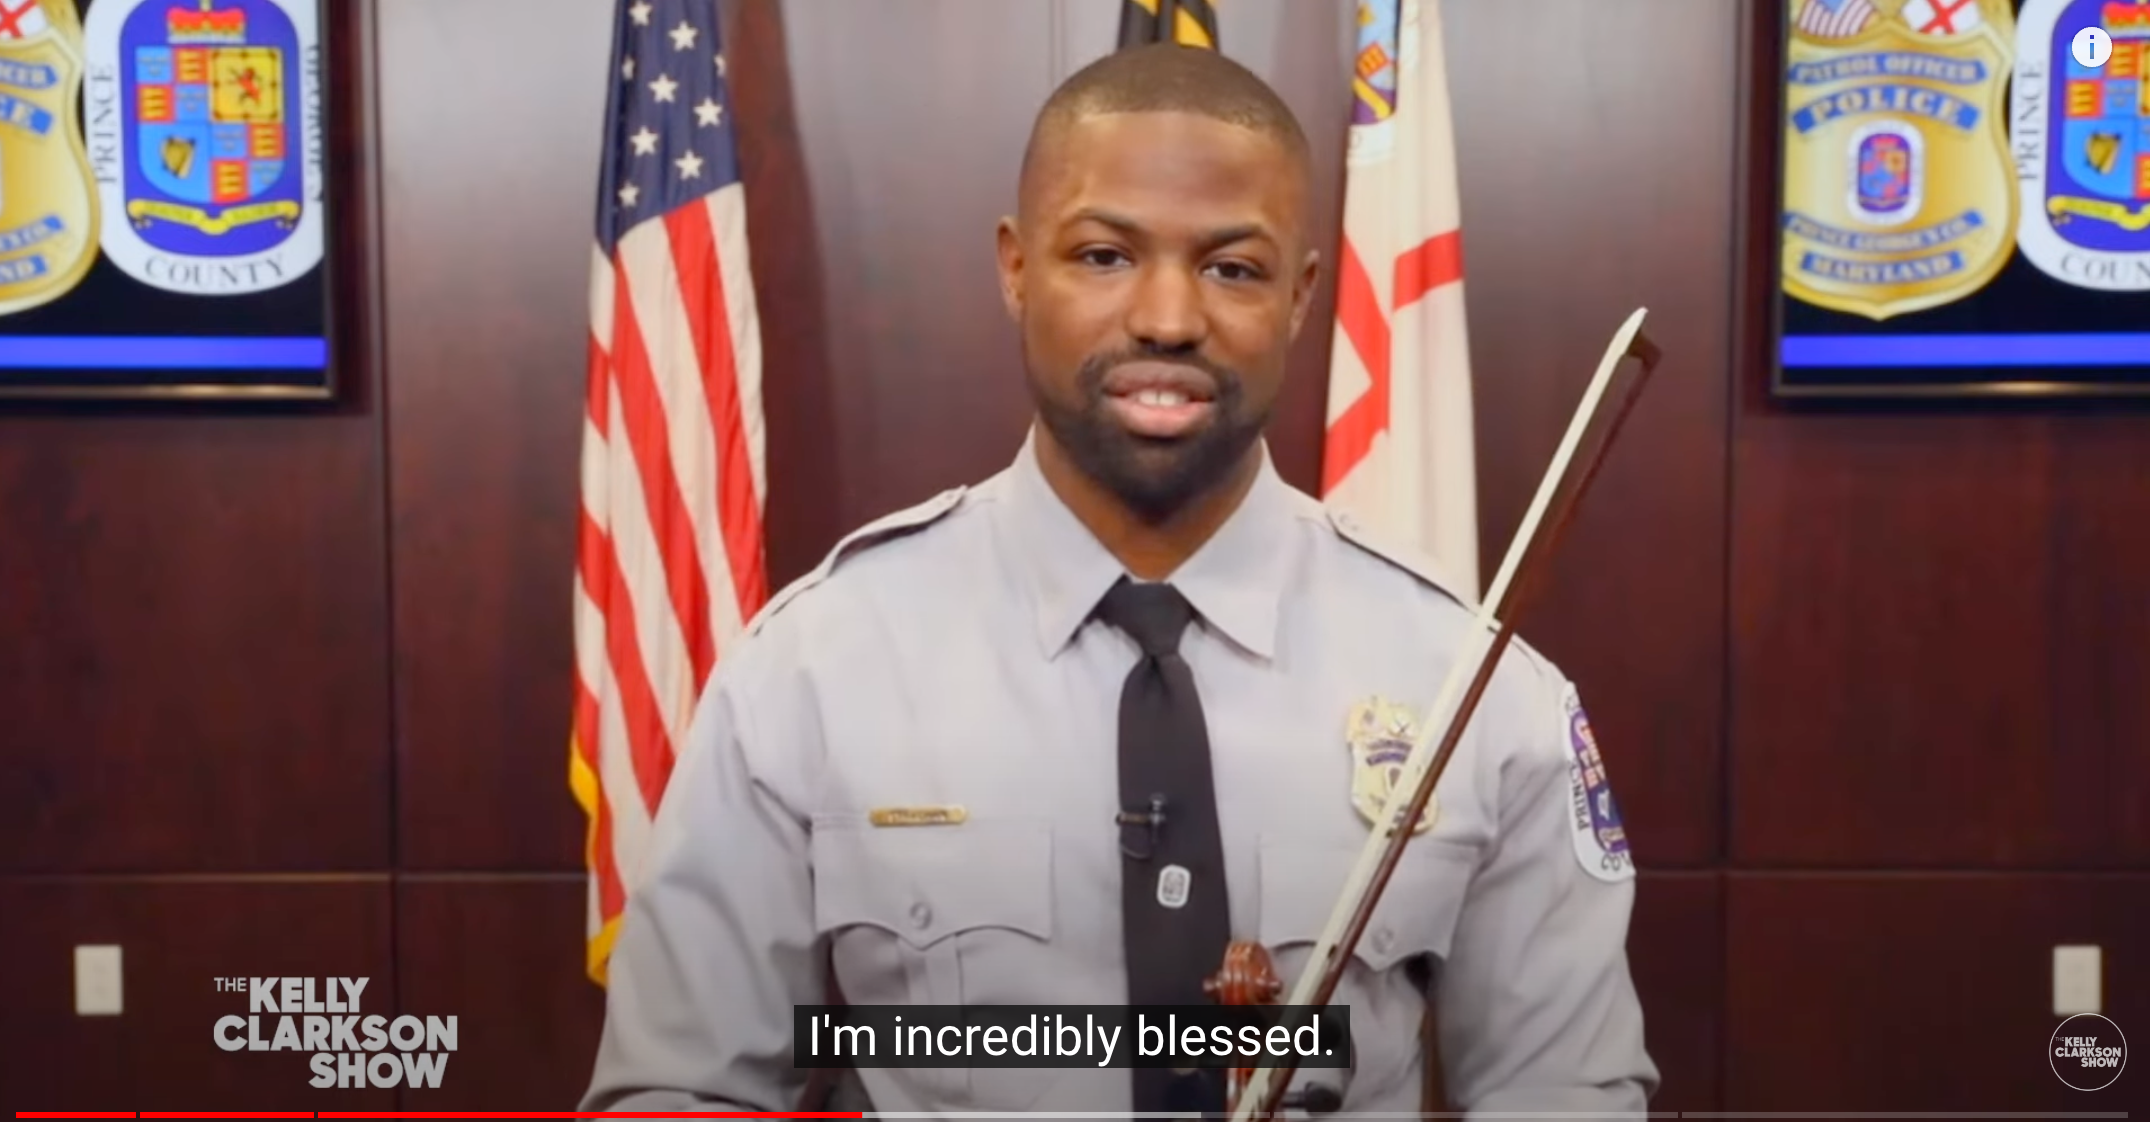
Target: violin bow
x=1494 y=626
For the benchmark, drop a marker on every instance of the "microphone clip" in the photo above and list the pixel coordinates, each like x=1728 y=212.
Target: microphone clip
x=1154 y=818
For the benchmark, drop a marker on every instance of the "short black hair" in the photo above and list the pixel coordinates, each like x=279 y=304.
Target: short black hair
x=1167 y=77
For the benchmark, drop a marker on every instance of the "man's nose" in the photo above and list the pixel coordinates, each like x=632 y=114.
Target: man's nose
x=1167 y=313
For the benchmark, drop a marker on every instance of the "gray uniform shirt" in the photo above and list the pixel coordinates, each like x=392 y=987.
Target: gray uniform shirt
x=945 y=657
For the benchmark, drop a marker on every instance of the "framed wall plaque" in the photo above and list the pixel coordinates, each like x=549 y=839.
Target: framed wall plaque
x=1963 y=202
x=164 y=209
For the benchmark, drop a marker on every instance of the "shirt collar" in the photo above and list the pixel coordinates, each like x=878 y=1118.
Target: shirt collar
x=1235 y=580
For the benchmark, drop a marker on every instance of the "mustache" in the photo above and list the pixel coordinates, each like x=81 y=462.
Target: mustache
x=1091 y=375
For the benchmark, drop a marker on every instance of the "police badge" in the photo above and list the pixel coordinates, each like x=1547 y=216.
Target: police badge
x=1899 y=193
x=205 y=125
x=48 y=201
x=2082 y=138
x=1381 y=735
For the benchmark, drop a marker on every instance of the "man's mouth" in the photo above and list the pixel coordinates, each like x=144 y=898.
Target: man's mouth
x=1159 y=400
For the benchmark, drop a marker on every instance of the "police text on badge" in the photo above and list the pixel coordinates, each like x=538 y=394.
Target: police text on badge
x=324 y=1016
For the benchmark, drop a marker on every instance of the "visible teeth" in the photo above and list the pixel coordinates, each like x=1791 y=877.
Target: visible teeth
x=1161 y=397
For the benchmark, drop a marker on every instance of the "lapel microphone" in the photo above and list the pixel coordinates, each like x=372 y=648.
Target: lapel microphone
x=1154 y=818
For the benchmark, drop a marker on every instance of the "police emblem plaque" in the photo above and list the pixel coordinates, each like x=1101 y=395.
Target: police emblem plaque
x=166 y=195
x=1381 y=734
x=206 y=139
x=48 y=200
x=1899 y=192
x=2082 y=142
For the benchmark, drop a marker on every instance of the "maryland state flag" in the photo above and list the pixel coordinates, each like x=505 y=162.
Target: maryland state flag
x=1190 y=23
x=1399 y=450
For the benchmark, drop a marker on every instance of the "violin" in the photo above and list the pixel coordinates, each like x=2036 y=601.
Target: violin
x=1248 y=976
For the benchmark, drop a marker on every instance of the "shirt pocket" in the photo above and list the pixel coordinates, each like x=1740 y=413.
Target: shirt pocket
x=936 y=915
x=1300 y=881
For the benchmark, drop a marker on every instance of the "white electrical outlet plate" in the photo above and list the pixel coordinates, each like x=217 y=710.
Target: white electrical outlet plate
x=97 y=981
x=2078 y=980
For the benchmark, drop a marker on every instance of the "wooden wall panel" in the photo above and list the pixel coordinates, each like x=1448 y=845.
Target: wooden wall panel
x=909 y=132
x=490 y=129
x=1937 y=613
x=176 y=937
x=802 y=517
x=1597 y=177
x=2100 y=600
x=181 y=589
x=1866 y=993
x=1675 y=950
x=506 y=956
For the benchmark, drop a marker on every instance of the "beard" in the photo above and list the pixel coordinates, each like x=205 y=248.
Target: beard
x=1155 y=477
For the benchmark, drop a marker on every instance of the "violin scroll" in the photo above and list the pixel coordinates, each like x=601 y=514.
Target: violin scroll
x=1248 y=977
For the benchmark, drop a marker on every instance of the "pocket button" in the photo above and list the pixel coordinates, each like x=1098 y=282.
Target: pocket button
x=921 y=915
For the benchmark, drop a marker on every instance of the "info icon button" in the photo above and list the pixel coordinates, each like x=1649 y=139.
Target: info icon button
x=2092 y=47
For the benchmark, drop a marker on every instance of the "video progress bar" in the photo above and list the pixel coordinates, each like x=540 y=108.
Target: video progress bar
x=1102 y=1114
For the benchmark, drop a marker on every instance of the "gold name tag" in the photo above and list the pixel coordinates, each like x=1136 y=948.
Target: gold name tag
x=918 y=816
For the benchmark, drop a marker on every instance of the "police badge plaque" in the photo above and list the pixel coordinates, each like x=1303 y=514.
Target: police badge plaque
x=1963 y=198
x=48 y=201
x=1899 y=193
x=165 y=199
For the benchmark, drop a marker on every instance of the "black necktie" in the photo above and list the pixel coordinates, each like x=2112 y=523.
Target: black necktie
x=1175 y=915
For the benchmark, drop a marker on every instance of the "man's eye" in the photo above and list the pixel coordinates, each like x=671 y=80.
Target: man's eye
x=1236 y=271
x=1101 y=258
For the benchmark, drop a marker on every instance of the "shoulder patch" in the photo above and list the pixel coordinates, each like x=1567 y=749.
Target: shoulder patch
x=1593 y=817
x=895 y=525
x=1409 y=560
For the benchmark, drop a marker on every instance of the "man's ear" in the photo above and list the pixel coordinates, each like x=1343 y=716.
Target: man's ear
x=1302 y=297
x=1009 y=250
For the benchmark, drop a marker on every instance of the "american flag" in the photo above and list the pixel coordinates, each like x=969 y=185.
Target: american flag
x=1834 y=19
x=670 y=558
x=1398 y=453
x=20 y=19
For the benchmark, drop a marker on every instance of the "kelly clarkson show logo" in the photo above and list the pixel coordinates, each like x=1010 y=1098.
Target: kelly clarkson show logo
x=350 y=1047
x=205 y=136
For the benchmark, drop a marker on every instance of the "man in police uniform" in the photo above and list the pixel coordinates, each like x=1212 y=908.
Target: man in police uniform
x=1132 y=692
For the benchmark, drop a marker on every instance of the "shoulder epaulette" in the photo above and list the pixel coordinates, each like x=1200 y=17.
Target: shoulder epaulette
x=887 y=527
x=1427 y=570
x=1411 y=561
